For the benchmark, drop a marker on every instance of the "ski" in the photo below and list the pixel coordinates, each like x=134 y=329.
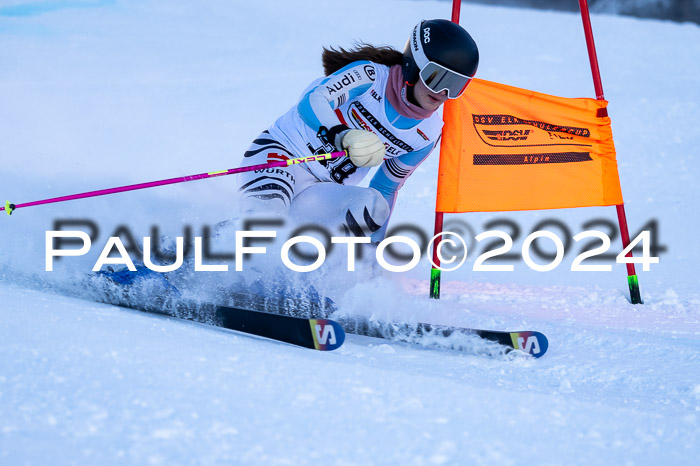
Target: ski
x=328 y=334
x=449 y=337
x=531 y=342
x=152 y=293
x=301 y=321
x=317 y=334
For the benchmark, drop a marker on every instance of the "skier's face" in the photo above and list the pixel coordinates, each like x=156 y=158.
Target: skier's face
x=427 y=98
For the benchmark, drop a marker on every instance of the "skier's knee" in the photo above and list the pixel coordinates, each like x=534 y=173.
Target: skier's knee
x=367 y=214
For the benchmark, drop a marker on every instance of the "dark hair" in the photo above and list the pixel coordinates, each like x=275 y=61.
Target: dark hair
x=335 y=59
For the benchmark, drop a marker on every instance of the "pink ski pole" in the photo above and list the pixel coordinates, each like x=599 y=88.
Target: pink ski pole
x=9 y=207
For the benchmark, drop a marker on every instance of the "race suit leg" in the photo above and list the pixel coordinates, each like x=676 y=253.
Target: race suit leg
x=272 y=190
x=351 y=210
x=294 y=191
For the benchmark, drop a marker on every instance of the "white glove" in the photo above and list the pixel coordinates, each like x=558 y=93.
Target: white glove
x=364 y=148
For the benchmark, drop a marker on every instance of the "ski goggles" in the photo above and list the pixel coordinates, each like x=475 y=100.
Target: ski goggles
x=437 y=78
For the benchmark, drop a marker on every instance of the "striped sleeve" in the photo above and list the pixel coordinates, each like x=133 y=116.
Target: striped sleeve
x=391 y=176
x=317 y=106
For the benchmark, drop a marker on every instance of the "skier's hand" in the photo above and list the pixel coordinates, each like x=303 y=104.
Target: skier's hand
x=364 y=148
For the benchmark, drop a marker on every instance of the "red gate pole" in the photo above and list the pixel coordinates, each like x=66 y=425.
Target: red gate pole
x=435 y=271
x=633 y=282
x=456 y=5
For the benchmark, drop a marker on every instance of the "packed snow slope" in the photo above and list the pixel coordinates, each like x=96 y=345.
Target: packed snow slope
x=97 y=94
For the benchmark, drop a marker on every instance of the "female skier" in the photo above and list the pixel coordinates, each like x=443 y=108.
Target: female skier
x=376 y=103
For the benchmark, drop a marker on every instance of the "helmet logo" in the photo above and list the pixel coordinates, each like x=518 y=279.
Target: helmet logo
x=426 y=35
x=415 y=39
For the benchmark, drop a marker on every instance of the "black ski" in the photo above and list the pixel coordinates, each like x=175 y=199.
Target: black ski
x=327 y=334
x=155 y=295
x=318 y=334
x=293 y=319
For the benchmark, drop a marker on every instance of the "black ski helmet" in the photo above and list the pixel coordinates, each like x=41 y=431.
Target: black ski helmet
x=443 y=42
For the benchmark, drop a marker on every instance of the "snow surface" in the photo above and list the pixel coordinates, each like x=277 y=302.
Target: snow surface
x=98 y=94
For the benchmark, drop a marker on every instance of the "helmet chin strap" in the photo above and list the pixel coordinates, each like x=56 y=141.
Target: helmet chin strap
x=410 y=94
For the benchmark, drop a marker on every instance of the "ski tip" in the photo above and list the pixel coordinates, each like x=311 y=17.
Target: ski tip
x=533 y=343
x=328 y=334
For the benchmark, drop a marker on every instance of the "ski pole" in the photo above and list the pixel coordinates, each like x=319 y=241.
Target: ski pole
x=9 y=207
